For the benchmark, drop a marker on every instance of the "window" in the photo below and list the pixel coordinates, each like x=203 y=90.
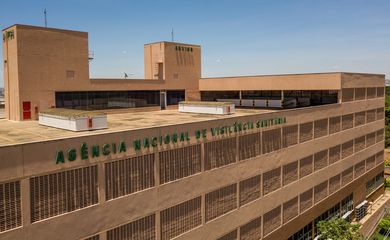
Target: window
x=320 y=160
x=347 y=121
x=251 y=230
x=290 y=173
x=144 y=227
x=250 y=189
x=175 y=96
x=221 y=201
x=306 y=200
x=219 y=153
x=10 y=206
x=305 y=166
x=271 y=140
x=181 y=218
x=129 y=175
x=305 y=132
x=290 y=135
x=320 y=128
x=272 y=220
x=290 y=209
x=178 y=163
x=249 y=145
x=229 y=236
x=320 y=191
x=271 y=181
x=62 y=192
x=347 y=94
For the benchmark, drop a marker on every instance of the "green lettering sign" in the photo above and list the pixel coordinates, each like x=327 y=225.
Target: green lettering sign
x=72 y=154
x=84 y=151
x=106 y=149
x=95 y=151
x=122 y=147
x=60 y=157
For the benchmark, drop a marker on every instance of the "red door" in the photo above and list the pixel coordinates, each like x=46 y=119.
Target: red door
x=26 y=110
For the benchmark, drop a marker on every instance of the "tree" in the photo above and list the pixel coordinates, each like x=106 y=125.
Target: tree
x=338 y=229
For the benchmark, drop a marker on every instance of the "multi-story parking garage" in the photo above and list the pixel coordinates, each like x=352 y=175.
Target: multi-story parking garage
x=299 y=148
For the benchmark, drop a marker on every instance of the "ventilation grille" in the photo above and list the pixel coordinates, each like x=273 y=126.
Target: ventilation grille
x=347 y=149
x=290 y=209
x=320 y=160
x=379 y=157
x=306 y=200
x=320 y=191
x=220 y=153
x=10 y=206
x=290 y=136
x=249 y=145
x=271 y=180
x=271 y=140
x=181 y=218
x=305 y=166
x=346 y=176
x=305 y=132
x=179 y=163
x=360 y=118
x=371 y=93
x=371 y=115
x=229 y=236
x=221 y=201
x=95 y=237
x=360 y=143
x=290 y=173
x=347 y=121
x=360 y=93
x=250 y=189
x=370 y=139
x=334 y=183
x=63 y=192
x=370 y=162
x=380 y=92
x=379 y=135
x=129 y=175
x=347 y=94
x=380 y=113
x=251 y=230
x=320 y=128
x=334 y=154
x=272 y=220
x=143 y=228
x=334 y=124
x=360 y=169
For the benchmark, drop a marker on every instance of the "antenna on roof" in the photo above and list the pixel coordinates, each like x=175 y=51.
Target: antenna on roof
x=172 y=35
x=45 y=13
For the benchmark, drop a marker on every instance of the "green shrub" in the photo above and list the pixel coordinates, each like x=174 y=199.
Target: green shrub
x=384 y=225
x=387 y=183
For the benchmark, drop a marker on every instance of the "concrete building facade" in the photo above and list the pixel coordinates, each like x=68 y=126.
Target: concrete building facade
x=261 y=173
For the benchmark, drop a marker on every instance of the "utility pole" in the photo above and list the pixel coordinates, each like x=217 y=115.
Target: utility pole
x=172 y=36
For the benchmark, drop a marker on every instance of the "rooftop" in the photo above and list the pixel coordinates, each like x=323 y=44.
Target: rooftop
x=12 y=132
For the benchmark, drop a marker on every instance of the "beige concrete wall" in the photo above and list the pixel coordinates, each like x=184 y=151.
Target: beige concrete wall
x=11 y=76
x=323 y=81
x=359 y=80
x=181 y=69
x=24 y=161
x=43 y=57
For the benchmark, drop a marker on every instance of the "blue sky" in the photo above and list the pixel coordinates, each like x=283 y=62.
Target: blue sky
x=238 y=37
